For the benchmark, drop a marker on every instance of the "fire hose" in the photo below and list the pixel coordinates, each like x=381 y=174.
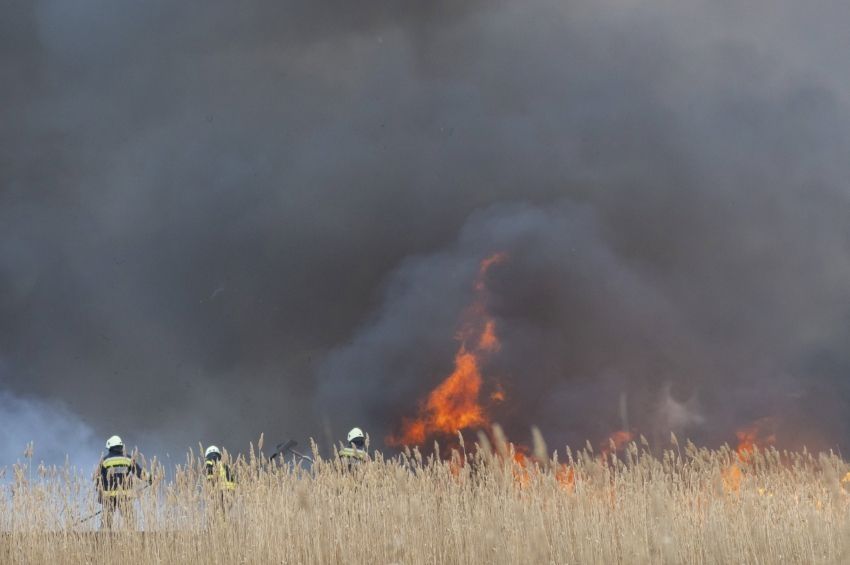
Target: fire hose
x=99 y=512
x=289 y=447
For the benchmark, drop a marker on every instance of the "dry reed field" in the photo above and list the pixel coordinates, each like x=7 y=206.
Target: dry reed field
x=479 y=504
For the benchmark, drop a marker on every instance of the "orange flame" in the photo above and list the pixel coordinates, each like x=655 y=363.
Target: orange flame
x=566 y=477
x=521 y=467
x=488 y=341
x=454 y=405
x=750 y=438
x=732 y=477
x=524 y=469
x=620 y=438
x=616 y=441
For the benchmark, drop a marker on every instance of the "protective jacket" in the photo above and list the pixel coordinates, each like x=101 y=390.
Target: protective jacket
x=219 y=474
x=352 y=455
x=114 y=475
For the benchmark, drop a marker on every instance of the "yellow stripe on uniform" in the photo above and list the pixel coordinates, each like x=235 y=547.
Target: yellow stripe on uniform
x=114 y=493
x=353 y=453
x=117 y=462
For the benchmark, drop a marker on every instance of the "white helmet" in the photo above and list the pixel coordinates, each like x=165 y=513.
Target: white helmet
x=355 y=433
x=114 y=441
x=212 y=450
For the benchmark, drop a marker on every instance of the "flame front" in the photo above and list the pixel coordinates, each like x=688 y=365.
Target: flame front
x=455 y=404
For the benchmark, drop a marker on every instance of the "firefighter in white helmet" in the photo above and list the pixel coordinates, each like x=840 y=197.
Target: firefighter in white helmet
x=355 y=453
x=218 y=472
x=114 y=481
x=220 y=482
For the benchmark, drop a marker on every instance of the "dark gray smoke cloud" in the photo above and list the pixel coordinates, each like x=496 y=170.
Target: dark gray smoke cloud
x=220 y=220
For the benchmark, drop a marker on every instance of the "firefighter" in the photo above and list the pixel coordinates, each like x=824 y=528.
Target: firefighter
x=355 y=453
x=114 y=482
x=220 y=481
x=218 y=472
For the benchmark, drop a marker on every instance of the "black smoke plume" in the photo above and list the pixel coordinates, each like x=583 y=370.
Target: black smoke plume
x=221 y=219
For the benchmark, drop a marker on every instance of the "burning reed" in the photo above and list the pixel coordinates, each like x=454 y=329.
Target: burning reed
x=485 y=504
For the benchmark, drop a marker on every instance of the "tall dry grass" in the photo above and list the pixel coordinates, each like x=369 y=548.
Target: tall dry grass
x=686 y=505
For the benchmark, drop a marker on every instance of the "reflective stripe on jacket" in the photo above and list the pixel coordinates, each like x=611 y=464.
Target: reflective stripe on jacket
x=352 y=453
x=114 y=475
x=222 y=477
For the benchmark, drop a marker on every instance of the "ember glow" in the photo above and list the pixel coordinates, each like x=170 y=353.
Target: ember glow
x=455 y=404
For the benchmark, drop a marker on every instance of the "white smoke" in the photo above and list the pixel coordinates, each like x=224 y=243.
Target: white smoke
x=56 y=433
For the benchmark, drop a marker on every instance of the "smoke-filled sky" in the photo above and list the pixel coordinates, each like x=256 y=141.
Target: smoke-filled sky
x=218 y=220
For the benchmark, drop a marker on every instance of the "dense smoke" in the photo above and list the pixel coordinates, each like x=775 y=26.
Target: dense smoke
x=217 y=220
